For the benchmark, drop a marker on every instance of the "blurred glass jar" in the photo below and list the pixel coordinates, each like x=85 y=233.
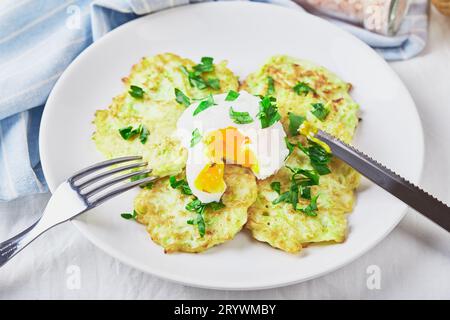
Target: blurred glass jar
x=380 y=16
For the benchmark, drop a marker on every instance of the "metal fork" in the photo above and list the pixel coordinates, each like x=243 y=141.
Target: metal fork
x=76 y=196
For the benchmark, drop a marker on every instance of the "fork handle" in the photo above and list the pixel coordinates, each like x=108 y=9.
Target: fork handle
x=14 y=245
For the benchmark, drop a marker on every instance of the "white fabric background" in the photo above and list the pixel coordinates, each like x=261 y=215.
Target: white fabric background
x=414 y=259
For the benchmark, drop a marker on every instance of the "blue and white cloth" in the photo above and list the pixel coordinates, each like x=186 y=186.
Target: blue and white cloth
x=39 y=39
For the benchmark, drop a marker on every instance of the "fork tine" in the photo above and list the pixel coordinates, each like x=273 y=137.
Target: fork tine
x=120 y=190
x=113 y=181
x=82 y=173
x=109 y=173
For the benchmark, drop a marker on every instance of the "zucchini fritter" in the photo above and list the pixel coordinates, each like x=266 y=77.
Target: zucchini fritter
x=279 y=224
x=157 y=110
x=163 y=210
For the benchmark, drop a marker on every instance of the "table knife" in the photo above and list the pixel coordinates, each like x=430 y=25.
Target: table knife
x=412 y=195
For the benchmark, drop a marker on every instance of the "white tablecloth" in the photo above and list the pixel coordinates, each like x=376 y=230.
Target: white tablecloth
x=413 y=261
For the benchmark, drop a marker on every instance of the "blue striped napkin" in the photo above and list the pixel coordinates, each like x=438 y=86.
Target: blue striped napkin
x=39 y=39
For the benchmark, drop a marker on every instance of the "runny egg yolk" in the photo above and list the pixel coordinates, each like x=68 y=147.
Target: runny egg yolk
x=210 y=179
x=227 y=145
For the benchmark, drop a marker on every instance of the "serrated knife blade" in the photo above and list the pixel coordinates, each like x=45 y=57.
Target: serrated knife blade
x=412 y=195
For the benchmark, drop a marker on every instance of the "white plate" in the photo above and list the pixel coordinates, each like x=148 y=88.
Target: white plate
x=245 y=34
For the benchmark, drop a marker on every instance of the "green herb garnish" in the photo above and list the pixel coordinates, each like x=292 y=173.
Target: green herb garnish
x=302 y=88
x=129 y=216
x=268 y=112
x=206 y=65
x=199 y=208
x=318 y=157
x=320 y=111
x=196 y=137
x=143 y=134
x=303 y=177
x=270 y=86
x=215 y=205
x=213 y=83
x=295 y=121
x=181 y=98
x=195 y=76
x=232 y=95
x=289 y=145
x=195 y=79
x=305 y=192
x=240 y=117
x=301 y=182
x=148 y=185
x=276 y=186
x=130 y=132
x=136 y=92
x=180 y=184
x=204 y=104
x=293 y=194
x=311 y=209
x=284 y=197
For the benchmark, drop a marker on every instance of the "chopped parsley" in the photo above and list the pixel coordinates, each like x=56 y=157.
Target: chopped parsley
x=204 y=104
x=303 y=177
x=199 y=208
x=320 y=111
x=139 y=177
x=130 y=132
x=143 y=134
x=293 y=195
x=129 y=216
x=195 y=80
x=311 y=209
x=295 y=121
x=136 y=92
x=276 y=186
x=181 y=98
x=240 y=117
x=318 y=157
x=213 y=83
x=127 y=132
x=147 y=186
x=206 y=65
x=196 y=137
x=195 y=76
x=216 y=205
x=270 y=86
x=289 y=145
x=301 y=182
x=232 y=95
x=302 y=88
x=305 y=192
x=268 y=112
x=284 y=197
x=142 y=176
x=180 y=184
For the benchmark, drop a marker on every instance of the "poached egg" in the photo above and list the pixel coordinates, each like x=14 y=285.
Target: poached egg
x=228 y=131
